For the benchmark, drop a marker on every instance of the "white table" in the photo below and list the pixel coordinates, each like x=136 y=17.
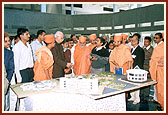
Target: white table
x=71 y=102
x=58 y=100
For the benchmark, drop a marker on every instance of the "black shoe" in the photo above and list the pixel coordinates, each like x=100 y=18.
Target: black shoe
x=159 y=108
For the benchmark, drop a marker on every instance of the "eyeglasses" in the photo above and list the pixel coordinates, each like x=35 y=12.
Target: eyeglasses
x=156 y=38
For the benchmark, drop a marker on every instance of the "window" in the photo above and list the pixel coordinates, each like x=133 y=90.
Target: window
x=107 y=9
x=75 y=5
x=68 y=11
x=68 y=5
x=78 y=5
x=131 y=74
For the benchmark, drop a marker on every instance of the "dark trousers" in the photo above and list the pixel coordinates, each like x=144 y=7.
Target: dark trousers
x=144 y=93
x=27 y=75
x=107 y=67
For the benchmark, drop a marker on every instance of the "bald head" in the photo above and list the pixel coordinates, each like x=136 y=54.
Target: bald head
x=58 y=34
x=59 y=37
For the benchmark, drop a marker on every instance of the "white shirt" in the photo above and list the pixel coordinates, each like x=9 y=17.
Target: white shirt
x=133 y=49
x=159 y=43
x=97 y=49
x=35 y=45
x=22 y=58
x=147 y=47
x=88 y=44
x=110 y=52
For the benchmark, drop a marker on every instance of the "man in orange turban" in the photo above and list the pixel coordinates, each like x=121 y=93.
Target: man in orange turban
x=157 y=67
x=82 y=63
x=124 y=36
x=92 y=43
x=124 y=40
x=43 y=66
x=120 y=56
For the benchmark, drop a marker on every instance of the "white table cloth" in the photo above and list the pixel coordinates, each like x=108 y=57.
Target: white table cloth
x=71 y=102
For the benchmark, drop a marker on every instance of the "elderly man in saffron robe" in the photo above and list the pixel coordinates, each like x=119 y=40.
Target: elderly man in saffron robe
x=120 y=56
x=82 y=63
x=157 y=67
x=43 y=66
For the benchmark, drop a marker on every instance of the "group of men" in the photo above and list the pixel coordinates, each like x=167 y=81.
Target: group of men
x=45 y=59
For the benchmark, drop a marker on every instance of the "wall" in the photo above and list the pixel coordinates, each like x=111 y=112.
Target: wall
x=134 y=20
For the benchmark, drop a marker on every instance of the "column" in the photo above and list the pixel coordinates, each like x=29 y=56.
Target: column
x=114 y=8
x=43 y=8
x=72 y=9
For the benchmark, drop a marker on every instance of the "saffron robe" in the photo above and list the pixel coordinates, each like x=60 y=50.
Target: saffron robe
x=82 y=63
x=129 y=48
x=43 y=62
x=121 y=55
x=157 y=72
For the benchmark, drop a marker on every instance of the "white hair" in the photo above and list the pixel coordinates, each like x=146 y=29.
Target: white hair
x=58 y=33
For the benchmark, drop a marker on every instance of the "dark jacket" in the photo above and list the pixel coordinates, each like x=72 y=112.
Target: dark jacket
x=59 y=61
x=140 y=57
x=67 y=55
x=102 y=58
x=9 y=63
